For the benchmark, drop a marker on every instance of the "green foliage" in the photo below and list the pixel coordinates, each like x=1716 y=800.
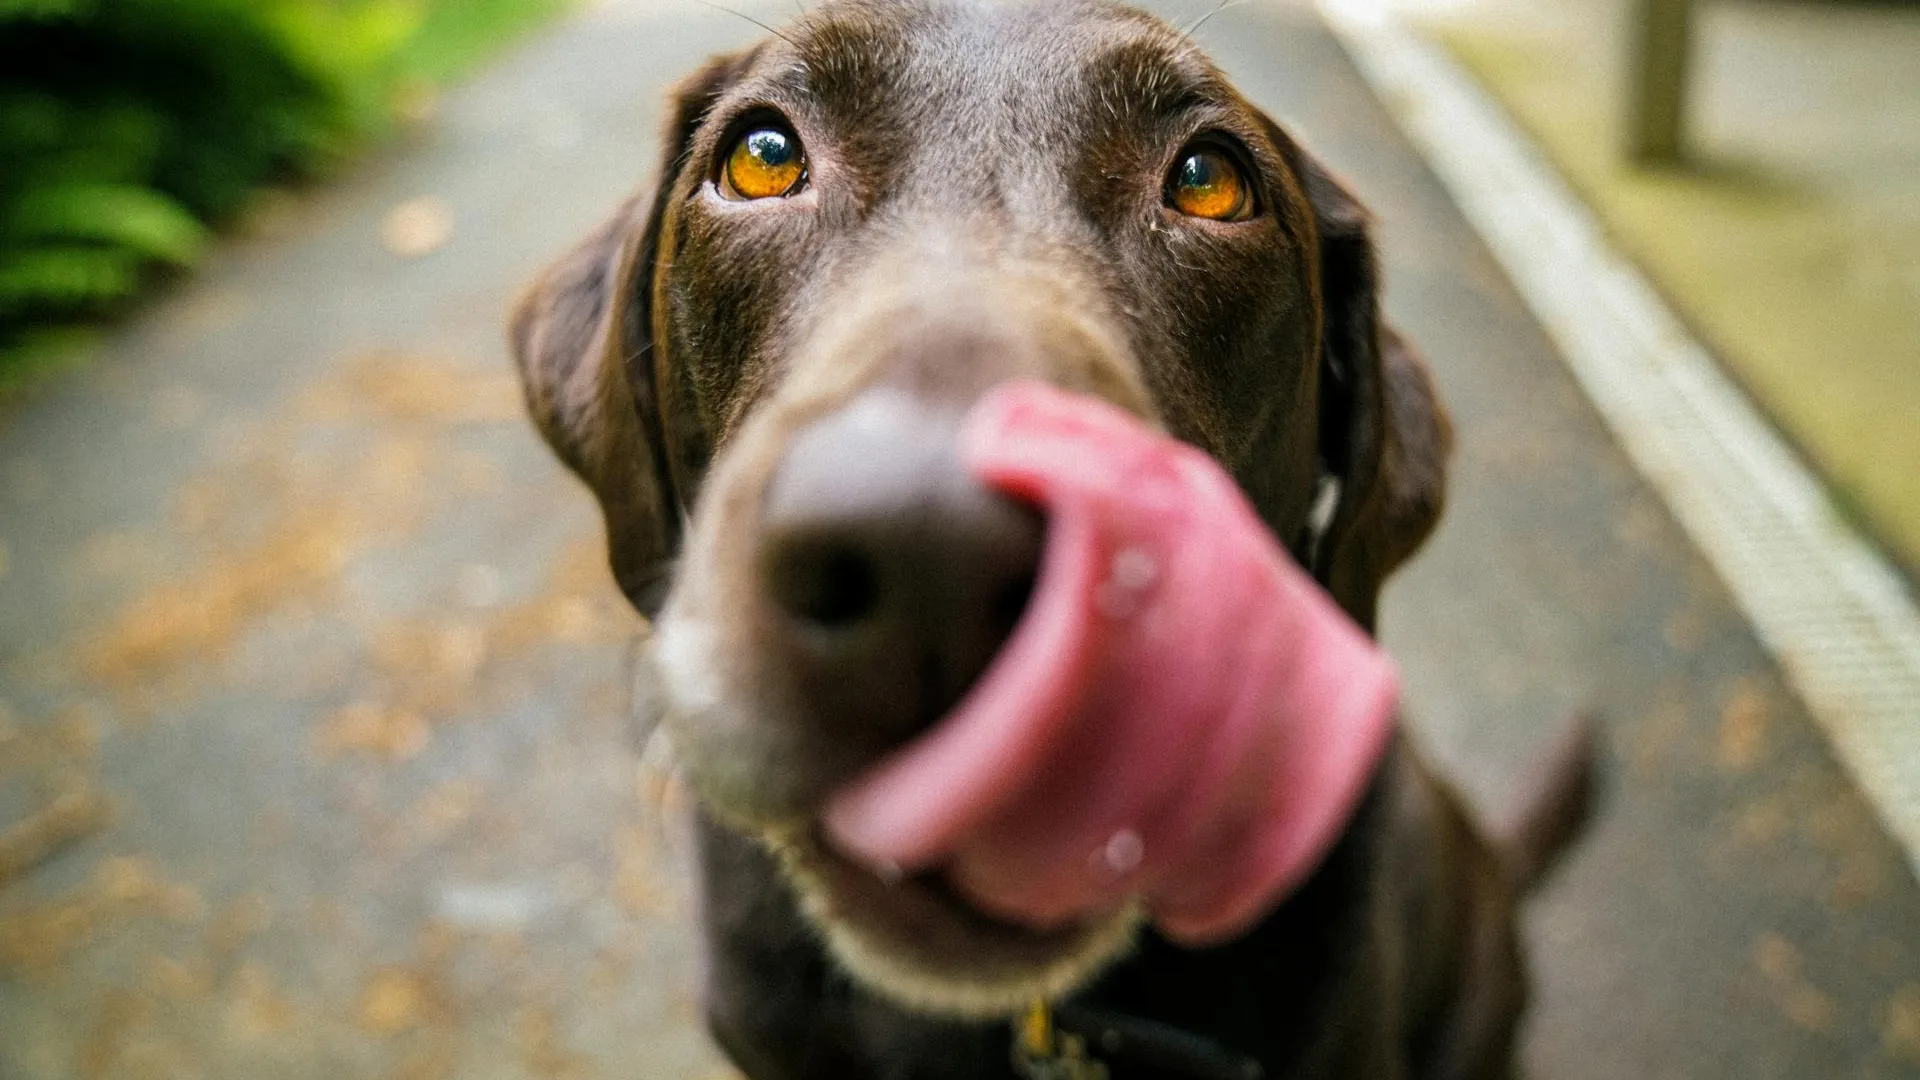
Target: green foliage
x=140 y=220
x=454 y=34
x=129 y=128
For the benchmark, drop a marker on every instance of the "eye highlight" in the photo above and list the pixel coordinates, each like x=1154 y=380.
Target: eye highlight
x=766 y=162
x=1207 y=183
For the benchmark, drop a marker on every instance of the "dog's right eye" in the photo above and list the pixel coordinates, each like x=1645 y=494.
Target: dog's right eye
x=1206 y=183
x=765 y=163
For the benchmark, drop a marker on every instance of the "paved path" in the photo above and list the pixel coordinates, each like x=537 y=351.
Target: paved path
x=292 y=590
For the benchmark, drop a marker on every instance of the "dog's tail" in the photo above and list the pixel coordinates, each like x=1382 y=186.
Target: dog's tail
x=1554 y=811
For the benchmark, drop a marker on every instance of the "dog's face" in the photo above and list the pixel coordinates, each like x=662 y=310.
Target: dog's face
x=861 y=225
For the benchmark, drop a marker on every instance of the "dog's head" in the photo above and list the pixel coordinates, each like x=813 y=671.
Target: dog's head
x=760 y=368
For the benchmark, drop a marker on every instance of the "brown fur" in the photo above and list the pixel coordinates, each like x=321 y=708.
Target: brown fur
x=955 y=233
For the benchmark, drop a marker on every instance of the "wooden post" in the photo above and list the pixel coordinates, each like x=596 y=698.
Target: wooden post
x=1656 y=120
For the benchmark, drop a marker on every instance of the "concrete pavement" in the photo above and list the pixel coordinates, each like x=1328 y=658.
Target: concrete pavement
x=291 y=586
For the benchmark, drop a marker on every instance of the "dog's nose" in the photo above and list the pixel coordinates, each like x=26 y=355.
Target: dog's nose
x=893 y=576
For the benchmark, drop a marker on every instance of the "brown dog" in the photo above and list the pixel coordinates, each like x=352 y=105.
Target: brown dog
x=859 y=226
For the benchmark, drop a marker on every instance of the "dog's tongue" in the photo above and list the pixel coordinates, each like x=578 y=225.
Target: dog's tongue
x=1181 y=715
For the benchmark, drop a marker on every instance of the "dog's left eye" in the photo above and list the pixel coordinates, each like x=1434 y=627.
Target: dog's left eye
x=1207 y=183
x=765 y=163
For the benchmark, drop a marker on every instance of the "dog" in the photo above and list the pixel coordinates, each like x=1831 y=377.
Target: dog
x=859 y=226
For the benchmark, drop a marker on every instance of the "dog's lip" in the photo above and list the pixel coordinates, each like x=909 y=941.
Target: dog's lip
x=909 y=892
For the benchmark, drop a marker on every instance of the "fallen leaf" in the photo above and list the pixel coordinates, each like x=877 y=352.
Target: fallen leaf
x=441 y=810
x=418 y=227
x=258 y=1009
x=1743 y=728
x=392 y=732
x=40 y=936
x=133 y=883
x=546 y=1055
x=177 y=980
x=71 y=817
x=1776 y=957
x=1806 y=1005
x=390 y=384
x=395 y=1000
x=123 y=1015
x=182 y=624
x=234 y=927
x=1900 y=1035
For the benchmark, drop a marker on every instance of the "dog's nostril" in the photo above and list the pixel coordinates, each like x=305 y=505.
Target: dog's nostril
x=830 y=585
x=1009 y=603
x=890 y=577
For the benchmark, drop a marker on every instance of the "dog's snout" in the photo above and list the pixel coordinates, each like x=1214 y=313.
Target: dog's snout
x=892 y=577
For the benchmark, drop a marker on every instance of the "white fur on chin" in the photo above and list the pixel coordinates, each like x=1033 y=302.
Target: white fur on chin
x=972 y=986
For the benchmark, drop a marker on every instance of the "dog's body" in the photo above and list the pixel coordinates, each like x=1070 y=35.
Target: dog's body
x=991 y=191
x=1398 y=960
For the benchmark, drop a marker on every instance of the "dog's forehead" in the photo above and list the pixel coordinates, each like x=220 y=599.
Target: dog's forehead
x=994 y=58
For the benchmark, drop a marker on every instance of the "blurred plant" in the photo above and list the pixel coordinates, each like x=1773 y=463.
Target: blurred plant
x=128 y=128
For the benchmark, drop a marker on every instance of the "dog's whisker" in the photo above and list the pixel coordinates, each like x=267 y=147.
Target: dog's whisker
x=643 y=708
x=658 y=773
x=1186 y=35
x=660 y=784
x=751 y=19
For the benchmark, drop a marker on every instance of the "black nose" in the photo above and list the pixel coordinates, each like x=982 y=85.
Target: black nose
x=893 y=575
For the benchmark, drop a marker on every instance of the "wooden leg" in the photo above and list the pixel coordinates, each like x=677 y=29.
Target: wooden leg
x=1656 y=122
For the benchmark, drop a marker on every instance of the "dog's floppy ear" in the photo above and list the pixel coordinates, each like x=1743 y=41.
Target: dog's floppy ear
x=582 y=335
x=1384 y=436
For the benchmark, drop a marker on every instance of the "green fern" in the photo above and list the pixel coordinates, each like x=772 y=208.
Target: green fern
x=143 y=221
x=41 y=9
x=66 y=278
x=130 y=128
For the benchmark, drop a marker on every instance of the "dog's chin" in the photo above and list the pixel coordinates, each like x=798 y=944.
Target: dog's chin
x=913 y=940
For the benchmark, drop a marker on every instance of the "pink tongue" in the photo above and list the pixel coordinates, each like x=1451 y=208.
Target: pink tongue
x=1182 y=714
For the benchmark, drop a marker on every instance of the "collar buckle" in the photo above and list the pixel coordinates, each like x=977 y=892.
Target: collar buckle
x=1042 y=1053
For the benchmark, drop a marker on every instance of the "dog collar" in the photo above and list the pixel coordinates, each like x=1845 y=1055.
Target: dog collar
x=1075 y=1042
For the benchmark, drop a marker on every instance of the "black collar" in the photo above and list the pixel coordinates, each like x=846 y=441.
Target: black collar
x=1116 y=1047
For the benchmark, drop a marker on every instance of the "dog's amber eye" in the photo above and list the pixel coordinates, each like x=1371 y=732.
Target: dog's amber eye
x=1206 y=183
x=765 y=163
